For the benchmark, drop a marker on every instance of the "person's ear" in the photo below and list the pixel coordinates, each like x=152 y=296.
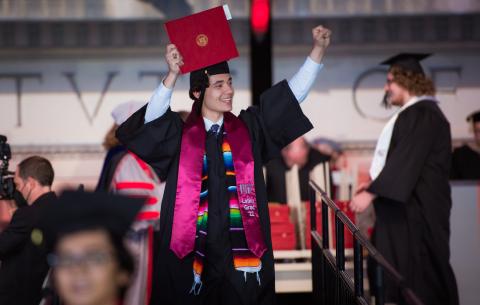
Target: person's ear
x=196 y=94
x=32 y=183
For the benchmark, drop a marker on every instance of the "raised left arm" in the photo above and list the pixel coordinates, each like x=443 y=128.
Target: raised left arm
x=303 y=80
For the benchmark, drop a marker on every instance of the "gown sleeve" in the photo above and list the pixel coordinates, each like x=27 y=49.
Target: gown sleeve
x=156 y=142
x=277 y=121
x=415 y=132
x=456 y=163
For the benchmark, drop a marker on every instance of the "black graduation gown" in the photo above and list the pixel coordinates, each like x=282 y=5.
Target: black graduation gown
x=465 y=164
x=276 y=184
x=24 y=265
x=275 y=123
x=412 y=227
x=113 y=157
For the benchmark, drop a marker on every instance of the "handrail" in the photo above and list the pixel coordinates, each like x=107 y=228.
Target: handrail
x=360 y=242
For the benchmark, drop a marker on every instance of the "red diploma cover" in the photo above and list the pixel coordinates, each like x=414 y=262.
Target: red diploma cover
x=203 y=39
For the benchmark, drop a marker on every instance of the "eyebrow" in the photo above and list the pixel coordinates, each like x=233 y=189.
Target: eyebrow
x=221 y=81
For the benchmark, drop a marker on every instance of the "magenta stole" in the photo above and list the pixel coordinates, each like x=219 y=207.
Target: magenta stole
x=190 y=181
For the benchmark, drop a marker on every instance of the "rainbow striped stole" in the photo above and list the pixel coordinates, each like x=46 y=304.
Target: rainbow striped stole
x=243 y=259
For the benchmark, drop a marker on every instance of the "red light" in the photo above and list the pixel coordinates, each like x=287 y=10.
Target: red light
x=260 y=16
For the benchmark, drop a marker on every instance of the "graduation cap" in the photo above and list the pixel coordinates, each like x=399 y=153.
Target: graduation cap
x=474 y=117
x=76 y=211
x=407 y=61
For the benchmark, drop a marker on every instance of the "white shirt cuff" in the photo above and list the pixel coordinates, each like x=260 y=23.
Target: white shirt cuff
x=158 y=103
x=302 y=82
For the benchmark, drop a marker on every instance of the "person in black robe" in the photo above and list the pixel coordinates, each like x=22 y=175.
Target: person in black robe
x=157 y=140
x=466 y=158
x=300 y=153
x=23 y=263
x=410 y=189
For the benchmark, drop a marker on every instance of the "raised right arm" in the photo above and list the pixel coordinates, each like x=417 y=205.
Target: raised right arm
x=160 y=100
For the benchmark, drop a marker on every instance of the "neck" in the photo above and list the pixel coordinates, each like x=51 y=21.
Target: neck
x=406 y=98
x=37 y=192
x=213 y=116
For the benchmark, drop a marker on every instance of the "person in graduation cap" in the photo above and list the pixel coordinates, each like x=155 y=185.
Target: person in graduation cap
x=214 y=244
x=84 y=235
x=409 y=186
x=466 y=158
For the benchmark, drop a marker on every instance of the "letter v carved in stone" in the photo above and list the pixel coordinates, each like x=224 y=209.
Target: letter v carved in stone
x=71 y=79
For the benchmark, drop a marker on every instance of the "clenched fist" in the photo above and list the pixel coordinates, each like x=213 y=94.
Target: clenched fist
x=174 y=61
x=173 y=58
x=321 y=36
x=321 y=40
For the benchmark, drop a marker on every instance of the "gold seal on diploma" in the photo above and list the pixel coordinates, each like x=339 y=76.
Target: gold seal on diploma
x=202 y=40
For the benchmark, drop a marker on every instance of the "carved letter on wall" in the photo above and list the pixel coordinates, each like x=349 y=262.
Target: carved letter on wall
x=71 y=79
x=373 y=113
x=18 y=79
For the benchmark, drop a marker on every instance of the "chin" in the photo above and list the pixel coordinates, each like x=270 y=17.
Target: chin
x=226 y=108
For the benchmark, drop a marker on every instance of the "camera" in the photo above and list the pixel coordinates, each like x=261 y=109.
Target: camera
x=7 y=186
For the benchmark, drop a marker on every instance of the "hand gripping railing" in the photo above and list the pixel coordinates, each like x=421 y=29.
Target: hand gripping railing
x=331 y=283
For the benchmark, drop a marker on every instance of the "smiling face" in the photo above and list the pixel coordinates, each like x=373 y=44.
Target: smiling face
x=218 y=96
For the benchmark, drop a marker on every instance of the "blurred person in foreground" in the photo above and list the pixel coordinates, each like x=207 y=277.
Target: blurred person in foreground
x=466 y=158
x=23 y=264
x=409 y=186
x=84 y=233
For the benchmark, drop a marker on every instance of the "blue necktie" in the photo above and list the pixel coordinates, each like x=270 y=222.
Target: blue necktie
x=214 y=129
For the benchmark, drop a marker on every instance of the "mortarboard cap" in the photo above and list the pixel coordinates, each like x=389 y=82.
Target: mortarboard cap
x=204 y=39
x=200 y=76
x=76 y=211
x=474 y=117
x=407 y=61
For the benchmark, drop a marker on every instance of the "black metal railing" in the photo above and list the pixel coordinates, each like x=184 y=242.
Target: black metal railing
x=330 y=281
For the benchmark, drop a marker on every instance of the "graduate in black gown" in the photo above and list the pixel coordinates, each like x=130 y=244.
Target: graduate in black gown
x=410 y=190
x=466 y=158
x=214 y=244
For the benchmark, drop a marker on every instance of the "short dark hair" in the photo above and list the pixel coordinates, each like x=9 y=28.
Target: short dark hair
x=39 y=168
